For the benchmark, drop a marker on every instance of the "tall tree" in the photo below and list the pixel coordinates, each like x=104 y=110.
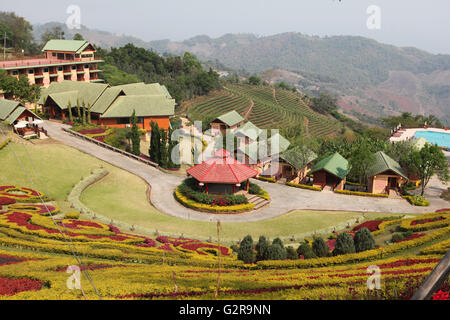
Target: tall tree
x=172 y=145
x=246 y=250
x=52 y=33
x=135 y=135
x=20 y=32
x=78 y=36
x=69 y=106
x=427 y=162
x=361 y=160
x=163 y=149
x=155 y=143
x=83 y=110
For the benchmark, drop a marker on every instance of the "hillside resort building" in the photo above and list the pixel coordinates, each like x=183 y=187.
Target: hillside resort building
x=110 y=106
x=62 y=60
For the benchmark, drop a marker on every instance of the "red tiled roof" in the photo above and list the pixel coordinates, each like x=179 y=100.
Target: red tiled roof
x=222 y=168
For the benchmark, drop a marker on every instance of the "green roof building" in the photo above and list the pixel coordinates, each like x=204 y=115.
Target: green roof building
x=331 y=172
x=231 y=120
x=385 y=175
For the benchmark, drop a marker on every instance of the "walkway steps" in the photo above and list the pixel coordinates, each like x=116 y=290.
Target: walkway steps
x=257 y=201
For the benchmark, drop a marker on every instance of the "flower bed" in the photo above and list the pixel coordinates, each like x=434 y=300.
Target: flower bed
x=417 y=200
x=209 y=208
x=371 y=225
x=362 y=194
x=21 y=194
x=411 y=237
x=427 y=221
x=11 y=286
x=303 y=186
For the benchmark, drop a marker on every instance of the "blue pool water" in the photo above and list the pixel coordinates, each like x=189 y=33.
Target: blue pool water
x=439 y=138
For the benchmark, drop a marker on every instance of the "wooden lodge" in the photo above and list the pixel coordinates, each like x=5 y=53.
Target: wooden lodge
x=23 y=121
x=228 y=121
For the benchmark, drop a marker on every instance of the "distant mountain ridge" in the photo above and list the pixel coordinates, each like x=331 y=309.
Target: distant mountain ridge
x=369 y=77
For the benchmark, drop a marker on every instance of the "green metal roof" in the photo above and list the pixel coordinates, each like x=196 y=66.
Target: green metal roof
x=15 y=114
x=144 y=105
x=383 y=163
x=334 y=164
x=62 y=99
x=76 y=46
x=106 y=99
x=231 y=118
x=7 y=107
x=86 y=91
x=298 y=157
x=275 y=145
x=249 y=130
x=140 y=88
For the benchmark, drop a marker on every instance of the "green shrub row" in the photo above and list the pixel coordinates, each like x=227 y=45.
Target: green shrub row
x=362 y=194
x=417 y=201
x=303 y=186
x=4 y=143
x=272 y=180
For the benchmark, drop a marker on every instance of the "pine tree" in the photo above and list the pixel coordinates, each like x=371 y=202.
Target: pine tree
x=155 y=143
x=305 y=250
x=344 y=244
x=172 y=145
x=89 y=114
x=78 y=110
x=163 y=149
x=261 y=248
x=276 y=252
x=83 y=105
x=291 y=253
x=320 y=248
x=246 y=252
x=363 y=240
x=69 y=106
x=135 y=135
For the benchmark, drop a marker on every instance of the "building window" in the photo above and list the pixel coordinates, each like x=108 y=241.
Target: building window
x=45 y=69
x=77 y=55
x=86 y=66
x=60 y=68
x=74 y=67
x=61 y=56
x=14 y=73
x=123 y=120
x=87 y=55
x=30 y=71
x=53 y=54
x=140 y=120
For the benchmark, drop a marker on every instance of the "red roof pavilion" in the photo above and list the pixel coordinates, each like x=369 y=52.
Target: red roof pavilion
x=222 y=169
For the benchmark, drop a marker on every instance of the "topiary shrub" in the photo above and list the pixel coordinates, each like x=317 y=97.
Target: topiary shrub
x=363 y=240
x=305 y=250
x=261 y=248
x=72 y=215
x=276 y=252
x=320 y=247
x=344 y=244
x=246 y=252
x=291 y=254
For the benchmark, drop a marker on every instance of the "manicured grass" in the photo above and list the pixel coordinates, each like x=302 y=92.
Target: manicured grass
x=121 y=196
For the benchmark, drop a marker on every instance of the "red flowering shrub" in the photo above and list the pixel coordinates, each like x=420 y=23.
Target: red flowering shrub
x=440 y=295
x=411 y=237
x=371 y=225
x=93 y=131
x=9 y=286
x=5 y=201
x=423 y=221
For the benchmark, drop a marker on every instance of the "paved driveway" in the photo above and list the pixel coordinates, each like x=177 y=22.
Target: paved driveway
x=284 y=198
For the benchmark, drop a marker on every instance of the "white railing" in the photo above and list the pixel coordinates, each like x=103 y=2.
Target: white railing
x=107 y=146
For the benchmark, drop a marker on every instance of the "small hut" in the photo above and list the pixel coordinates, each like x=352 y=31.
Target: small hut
x=231 y=120
x=222 y=174
x=385 y=174
x=331 y=172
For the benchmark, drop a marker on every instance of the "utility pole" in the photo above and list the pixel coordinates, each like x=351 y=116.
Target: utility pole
x=4 y=45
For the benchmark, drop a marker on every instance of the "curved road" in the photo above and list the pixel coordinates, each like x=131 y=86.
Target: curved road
x=284 y=198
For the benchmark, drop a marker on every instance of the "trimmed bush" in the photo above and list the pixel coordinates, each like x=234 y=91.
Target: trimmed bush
x=72 y=215
x=362 y=194
x=320 y=248
x=417 y=201
x=305 y=250
x=363 y=240
x=246 y=252
x=272 y=180
x=276 y=252
x=257 y=190
x=291 y=254
x=344 y=244
x=261 y=248
x=303 y=186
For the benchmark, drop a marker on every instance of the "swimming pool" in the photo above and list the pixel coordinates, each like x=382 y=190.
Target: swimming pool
x=440 y=138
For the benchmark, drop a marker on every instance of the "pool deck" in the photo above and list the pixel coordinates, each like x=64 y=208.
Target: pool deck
x=407 y=134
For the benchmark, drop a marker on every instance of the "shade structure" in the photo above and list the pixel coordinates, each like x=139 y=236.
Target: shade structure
x=21 y=124
x=37 y=121
x=222 y=168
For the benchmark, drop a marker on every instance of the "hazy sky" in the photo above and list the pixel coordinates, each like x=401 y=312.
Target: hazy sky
x=420 y=23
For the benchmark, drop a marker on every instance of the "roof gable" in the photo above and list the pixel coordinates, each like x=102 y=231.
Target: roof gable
x=334 y=164
x=383 y=163
x=76 y=46
x=249 y=130
x=88 y=92
x=231 y=118
x=7 y=107
x=298 y=157
x=143 y=105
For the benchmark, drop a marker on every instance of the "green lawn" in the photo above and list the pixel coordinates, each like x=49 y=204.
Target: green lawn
x=121 y=196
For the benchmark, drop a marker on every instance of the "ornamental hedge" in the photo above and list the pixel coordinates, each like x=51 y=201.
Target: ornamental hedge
x=210 y=208
x=362 y=194
x=257 y=190
x=417 y=200
x=303 y=186
x=4 y=143
x=271 y=180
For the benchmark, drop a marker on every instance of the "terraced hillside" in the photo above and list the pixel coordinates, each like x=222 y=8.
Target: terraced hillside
x=266 y=107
